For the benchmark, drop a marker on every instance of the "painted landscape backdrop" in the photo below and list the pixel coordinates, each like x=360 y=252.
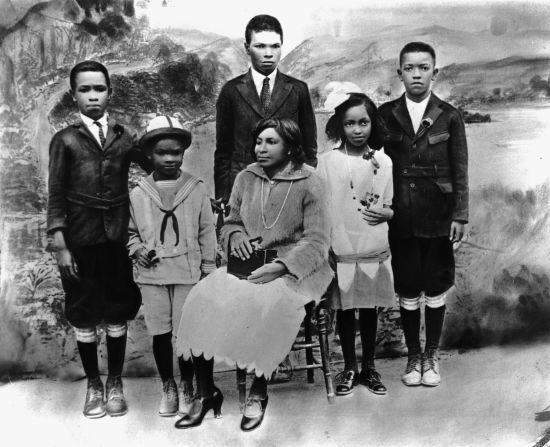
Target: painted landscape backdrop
x=501 y=70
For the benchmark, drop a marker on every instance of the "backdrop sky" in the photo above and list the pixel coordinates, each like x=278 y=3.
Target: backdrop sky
x=303 y=19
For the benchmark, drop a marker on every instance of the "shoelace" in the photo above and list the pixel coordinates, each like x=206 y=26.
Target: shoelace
x=187 y=393
x=412 y=364
x=252 y=404
x=343 y=376
x=171 y=390
x=373 y=375
x=429 y=363
x=96 y=394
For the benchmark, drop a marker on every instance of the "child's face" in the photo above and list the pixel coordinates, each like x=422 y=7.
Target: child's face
x=357 y=126
x=270 y=149
x=167 y=157
x=91 y=93
x=264 y=50
x=417 y=73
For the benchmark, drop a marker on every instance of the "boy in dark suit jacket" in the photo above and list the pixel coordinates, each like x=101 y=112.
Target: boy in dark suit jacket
x=88 y=213
x=262 y=92
x=426 y=141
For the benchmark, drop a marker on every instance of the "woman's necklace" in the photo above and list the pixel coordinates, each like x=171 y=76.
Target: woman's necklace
x=370 y=197
x=269 y=227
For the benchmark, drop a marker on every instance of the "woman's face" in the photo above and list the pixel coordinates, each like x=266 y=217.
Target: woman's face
x=357 y=125
x=270 y=149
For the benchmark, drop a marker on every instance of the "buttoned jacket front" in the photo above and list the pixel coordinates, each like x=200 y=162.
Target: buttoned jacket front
x=430 y=168
x=88 y=185
x=239 y=109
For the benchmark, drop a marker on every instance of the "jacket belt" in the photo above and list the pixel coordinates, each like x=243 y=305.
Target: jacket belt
x=425 y=171
x=97 y=202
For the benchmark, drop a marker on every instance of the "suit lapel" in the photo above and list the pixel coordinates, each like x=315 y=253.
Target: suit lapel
x=281 y=90
x=83 y=130
x=247 y=90
x=111 y=134
x=433 y=110
x=401 y=114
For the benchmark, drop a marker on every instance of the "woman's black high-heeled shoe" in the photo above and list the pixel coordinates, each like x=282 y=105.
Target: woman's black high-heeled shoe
x=254 y=421
x=199 y=408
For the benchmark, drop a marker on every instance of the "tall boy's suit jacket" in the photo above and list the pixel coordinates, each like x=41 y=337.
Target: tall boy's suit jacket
x=430 y=168
x=88 y=185
x=238 y=111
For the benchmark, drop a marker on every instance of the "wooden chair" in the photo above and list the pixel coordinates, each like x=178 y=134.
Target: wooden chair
x=308 y=344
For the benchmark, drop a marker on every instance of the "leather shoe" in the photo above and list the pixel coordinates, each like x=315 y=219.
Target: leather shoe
x=254 y=411
x=94 y=406
x=199 y=408
x=116 y=402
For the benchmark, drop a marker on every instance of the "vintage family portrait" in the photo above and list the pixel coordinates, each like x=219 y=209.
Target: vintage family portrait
x=274 y=224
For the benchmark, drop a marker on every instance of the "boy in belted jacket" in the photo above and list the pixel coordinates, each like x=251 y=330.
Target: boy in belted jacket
x=88 y=221
x=173 y=239
x=426 y=141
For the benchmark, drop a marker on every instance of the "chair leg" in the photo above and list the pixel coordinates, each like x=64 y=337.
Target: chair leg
x=241 y=387
x=323 y=342
x=307 y=336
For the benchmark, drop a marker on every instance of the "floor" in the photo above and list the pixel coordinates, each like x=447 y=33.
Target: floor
x=487 y=398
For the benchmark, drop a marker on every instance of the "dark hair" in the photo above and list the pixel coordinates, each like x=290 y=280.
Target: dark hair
x=289 y=132
x=263 y=22
x=88 y=66
x=416 y=47
x=335 y=125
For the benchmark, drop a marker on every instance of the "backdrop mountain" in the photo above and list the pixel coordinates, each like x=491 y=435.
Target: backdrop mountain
x=473 y=63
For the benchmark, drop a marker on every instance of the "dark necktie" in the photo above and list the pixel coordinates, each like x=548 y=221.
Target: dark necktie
x=101 y=134
x=266 y=96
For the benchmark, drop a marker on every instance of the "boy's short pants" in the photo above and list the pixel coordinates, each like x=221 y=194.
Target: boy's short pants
x=106 y=291
x=162 y=306
x=422 y=265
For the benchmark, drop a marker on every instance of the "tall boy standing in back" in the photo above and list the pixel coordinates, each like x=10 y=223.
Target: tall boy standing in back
x=427 y=143
x=262 y=92
x=88 y=217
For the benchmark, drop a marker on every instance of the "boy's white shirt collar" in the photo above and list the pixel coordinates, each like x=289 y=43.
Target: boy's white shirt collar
x=258 y=79
x=416 y=110
x=89 y=122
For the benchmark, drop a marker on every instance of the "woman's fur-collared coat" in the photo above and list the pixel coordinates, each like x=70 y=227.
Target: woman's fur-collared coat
x=300 y=235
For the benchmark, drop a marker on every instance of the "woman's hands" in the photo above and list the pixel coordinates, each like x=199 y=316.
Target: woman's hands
x=268 y=273
x=376 y=216
x=240 y=245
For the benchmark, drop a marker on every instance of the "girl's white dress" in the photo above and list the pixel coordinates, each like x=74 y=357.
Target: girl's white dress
x=362 y=250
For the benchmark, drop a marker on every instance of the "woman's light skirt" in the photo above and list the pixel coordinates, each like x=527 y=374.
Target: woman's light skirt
x=240 y=323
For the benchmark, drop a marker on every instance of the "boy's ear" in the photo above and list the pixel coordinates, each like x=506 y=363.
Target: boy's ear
x=110 y=91
x=399 y=74
x=435 y=73
x=247 y=48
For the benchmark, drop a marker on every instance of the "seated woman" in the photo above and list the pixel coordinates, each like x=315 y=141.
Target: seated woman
x=253 y=322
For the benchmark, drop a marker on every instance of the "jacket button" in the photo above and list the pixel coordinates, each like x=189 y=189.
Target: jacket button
x=412 y=185
x=405 y=171
x=414 y=146
x=98 y=194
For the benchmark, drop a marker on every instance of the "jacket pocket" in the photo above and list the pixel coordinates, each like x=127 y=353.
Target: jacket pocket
x=445 y=186
x=438 y=137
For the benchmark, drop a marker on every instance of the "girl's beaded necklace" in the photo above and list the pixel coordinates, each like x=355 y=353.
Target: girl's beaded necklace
x=370 y=197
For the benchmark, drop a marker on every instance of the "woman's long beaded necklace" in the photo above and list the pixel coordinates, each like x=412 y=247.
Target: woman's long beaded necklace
x=269 y=227
x=370 y=198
